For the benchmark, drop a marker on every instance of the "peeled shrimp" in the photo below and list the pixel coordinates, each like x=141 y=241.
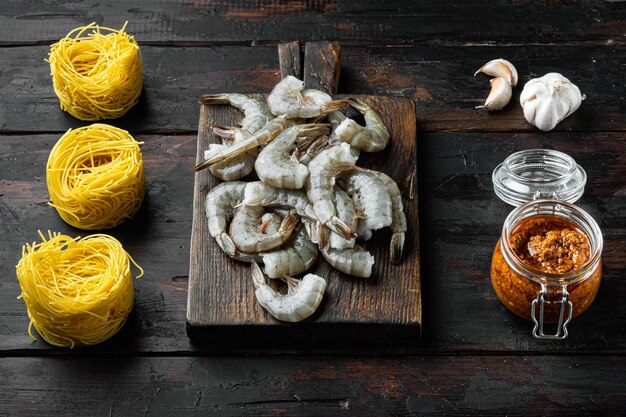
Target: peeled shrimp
x=236 y=167
x=274 y=166
x=262 y=137
x=347 y=213
x=352 y=261
x=289 y=99
x=256 y=113
x=371 y=138
x=220 y=207
x=319 y=186
x=398 y=219
x=302 y=299
x=258 y=193
x=294 y=258
x=371 y=199
x=245 y=233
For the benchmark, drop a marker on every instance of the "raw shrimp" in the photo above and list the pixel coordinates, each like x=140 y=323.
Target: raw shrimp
x=305 y=156
x=371 y=199
x=352 y=261
x=398 y=219
x=236 y=167
x=220 y=206
x=288 y=99
x=273 y=165
x=318 y=97
x=293 y=258
x=256 y=113
x=335 y=118
x=371 y=138
x=258 y=193
x=230 y=134
x=270 y=223
x=262 y=137
x=245 y=233
x=302 y=299
x=347 y=213
x=319 y=186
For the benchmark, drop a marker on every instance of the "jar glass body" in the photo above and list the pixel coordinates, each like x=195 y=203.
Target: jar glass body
x=519 y=287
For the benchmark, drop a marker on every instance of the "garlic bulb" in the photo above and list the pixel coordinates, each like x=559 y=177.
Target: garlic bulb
x=500 y=68
x=549 y=99
x=499 y=96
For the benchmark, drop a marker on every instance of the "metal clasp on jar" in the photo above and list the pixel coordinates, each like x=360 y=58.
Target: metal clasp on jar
x=566 y=309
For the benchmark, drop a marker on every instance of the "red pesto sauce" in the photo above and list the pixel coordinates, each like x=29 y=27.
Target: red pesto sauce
x=550 y=244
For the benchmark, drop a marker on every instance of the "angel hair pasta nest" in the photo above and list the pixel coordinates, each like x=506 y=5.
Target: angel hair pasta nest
x=96 y=72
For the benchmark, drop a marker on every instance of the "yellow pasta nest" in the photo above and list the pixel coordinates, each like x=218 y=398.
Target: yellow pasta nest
x=96 y=72
x=95 y=176
x=77 y=291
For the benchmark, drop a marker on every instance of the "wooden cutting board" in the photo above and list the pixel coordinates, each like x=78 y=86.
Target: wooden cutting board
x=385 y=308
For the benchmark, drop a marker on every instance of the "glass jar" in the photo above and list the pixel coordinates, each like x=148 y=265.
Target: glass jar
x=545 y=183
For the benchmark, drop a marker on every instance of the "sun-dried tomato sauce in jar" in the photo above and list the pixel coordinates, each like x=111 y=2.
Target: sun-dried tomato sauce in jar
x=546 y=266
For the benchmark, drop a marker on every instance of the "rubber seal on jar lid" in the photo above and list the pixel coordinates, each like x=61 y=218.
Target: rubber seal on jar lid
x=539 y=174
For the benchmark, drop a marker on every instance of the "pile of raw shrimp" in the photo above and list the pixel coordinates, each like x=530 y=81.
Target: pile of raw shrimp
x=311 y=197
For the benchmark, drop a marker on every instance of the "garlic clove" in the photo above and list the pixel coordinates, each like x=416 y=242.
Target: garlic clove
x=549 y=99
x=500 y=68
x=499 y=96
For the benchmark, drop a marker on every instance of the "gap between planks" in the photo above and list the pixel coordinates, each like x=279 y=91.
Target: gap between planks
x=318 y=353
x=350 y=42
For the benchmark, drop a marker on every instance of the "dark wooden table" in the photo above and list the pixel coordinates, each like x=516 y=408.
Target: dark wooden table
x=475 y=358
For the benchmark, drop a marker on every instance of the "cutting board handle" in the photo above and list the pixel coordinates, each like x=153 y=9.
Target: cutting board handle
x=322 y=64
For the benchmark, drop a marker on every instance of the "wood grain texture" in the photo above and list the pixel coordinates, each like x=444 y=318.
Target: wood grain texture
x=290 y=58
x=476 y=358
x=322 y=65
x=429 y=21
x=483 y=386
x=460 y=221
x=385 y=308
x=157 y=238
x=438 y=78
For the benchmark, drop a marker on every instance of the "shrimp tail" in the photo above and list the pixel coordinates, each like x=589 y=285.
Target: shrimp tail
x=318 y=146
x=226 y=244
x=358 y=104
x=341 y=228
x=323 y=234
x=314 y=130
x=289 y=222
x=334 y=105
x=347 y=169
x=396 y=247
x=292 y=283
x=312 y=230
x=257 y=275
x=227 y=132
x=214 y=99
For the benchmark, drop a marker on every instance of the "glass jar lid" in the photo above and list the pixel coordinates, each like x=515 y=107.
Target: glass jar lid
x=539 y=174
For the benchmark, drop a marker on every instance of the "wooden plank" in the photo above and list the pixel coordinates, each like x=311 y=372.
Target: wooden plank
x=227 y=386
x=439 y=79
x=385 y=308
x=157 y=238
x=460 y=221
x=290 y=58
x=428 y=21
x=322 y=65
